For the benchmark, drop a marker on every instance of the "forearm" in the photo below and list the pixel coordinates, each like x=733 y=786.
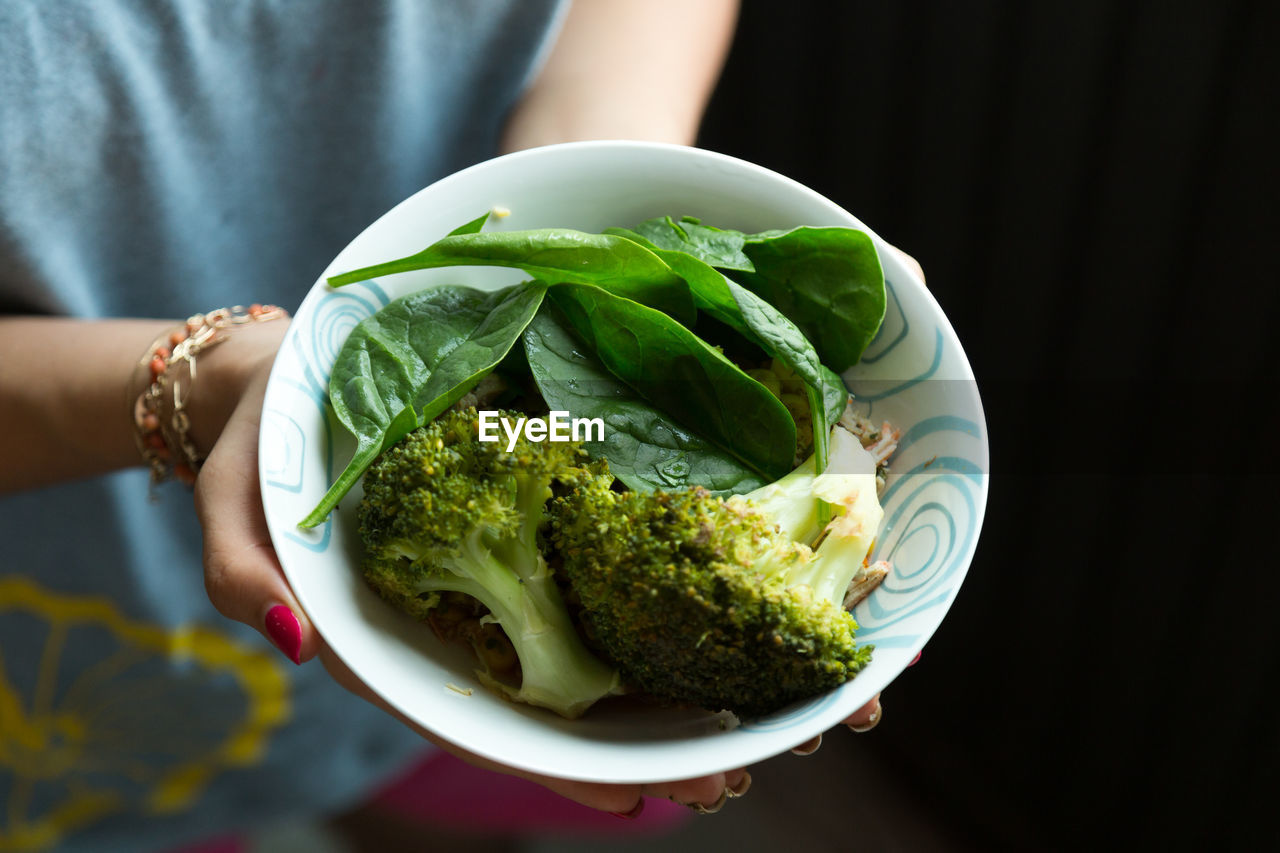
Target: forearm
x=626 y=69
x=65 y=411
x=556 y=114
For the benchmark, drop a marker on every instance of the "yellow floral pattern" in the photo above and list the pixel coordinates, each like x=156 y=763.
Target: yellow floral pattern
x=113 y=715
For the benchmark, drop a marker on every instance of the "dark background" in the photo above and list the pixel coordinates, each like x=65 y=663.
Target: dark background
x=1091 y=188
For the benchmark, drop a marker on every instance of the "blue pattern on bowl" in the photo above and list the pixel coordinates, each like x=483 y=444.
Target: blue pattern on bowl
x=932 y=508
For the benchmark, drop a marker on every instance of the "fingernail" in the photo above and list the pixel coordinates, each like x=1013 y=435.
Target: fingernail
x=741 y=788
x=872 y=721
x=633 y=814
x=915 y=660
x=699 y=808
x=809 y=747
x=285 y=631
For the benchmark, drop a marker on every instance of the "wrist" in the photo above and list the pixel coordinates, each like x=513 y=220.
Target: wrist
x=232 y=369
x=189 y=383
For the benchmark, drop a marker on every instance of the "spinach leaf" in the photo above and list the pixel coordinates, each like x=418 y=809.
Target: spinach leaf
x=553 y=255
x=681 y=374
x=742 y=310
x=835 y=396
x=481 y=351
x=827 y=280
x=756 y=320
x=472 y=227
x=708 y=287
x=407 y=363
x=716 y=247
x=767 y=327
x=647 y=450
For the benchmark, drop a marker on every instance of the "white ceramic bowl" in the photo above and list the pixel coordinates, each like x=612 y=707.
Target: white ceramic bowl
x=914 y=375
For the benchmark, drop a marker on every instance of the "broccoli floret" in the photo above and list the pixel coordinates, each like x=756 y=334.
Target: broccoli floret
x=716 y=603
x=445 y=512
x=849 y=485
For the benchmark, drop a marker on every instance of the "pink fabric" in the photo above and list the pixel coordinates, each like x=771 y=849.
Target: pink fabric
x=228 y=844
x=447 y=791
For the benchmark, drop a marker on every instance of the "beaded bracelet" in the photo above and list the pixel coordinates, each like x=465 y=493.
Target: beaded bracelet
x=160 y=420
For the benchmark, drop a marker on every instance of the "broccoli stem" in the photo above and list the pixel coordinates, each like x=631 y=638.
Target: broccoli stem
x=839 y=558
x=557 y=669
x=790 y=503
x=849 y=483
x=846 y=489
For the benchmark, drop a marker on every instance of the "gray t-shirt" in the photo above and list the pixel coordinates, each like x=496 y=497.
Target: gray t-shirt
x=160 y=159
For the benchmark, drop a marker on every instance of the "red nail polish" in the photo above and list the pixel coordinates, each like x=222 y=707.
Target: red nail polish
x=633 y=814
x=285 y=631
x=915 y=660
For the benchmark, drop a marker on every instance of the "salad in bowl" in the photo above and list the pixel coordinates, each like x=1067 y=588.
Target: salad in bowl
x=622 y=461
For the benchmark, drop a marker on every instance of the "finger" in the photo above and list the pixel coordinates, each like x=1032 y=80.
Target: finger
x=708 y=794
x=738 y=782
x=242 y=574
x=867 y=717
x=809 y=747
x=911 y=262
x=704 y=794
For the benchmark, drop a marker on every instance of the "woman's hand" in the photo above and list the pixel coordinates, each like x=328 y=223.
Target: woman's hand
x=241 y=571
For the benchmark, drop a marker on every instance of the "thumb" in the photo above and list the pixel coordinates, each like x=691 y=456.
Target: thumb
x=910 y=261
